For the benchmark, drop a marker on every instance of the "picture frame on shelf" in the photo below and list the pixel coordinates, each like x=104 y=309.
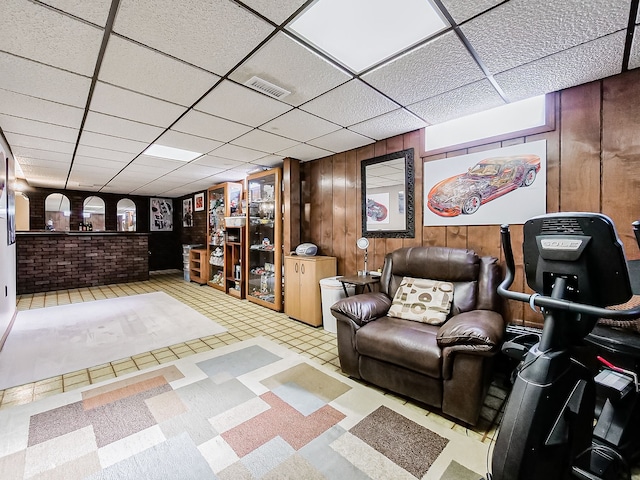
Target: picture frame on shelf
x=198 y=202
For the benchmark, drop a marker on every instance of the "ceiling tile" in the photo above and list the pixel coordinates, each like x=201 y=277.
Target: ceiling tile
x=120 y=127
x=95 y=11
x=585 y=63
x=472 y=98
x=40 y=33
x=172 y=138
x=248 y=106
x=134 y=106
x=194 y=31
x=634 y=57
x=300 y=126
x=195 y=171
x=42 y=81
x=521 y=31
x=116 y=165
x=388 y=125
x=18 y=140
x=270 y=161
x=208 y=126
x=350 y=103
x=235 y=152
x=341 y=141
x=307 y=77
x=143 y=70
x=32 y=155
x=438 y=66
x=25 y=126
x=218 y=162
x=95 y=152
x=275 y=10
x=112 y=143
x=304 y=152
x=462 y=10
x=32 y=108
x=264 y=141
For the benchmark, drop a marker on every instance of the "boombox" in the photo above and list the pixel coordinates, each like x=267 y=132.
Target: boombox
x=306 y=250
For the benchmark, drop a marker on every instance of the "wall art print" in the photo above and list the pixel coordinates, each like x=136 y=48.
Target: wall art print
x=198 y=202
x=161 y=215
x=504 y=185
x=187 y=212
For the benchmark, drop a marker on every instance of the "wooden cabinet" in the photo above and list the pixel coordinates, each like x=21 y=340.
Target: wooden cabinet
x=233 y=253
x=223 y=200
x=264 y=239
x=302 y=276
x=198 y=265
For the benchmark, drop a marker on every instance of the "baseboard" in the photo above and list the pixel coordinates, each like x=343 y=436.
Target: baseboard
x=9 y=327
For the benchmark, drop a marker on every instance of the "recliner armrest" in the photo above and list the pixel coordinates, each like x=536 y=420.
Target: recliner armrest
x=481 y=329
x=362 y=308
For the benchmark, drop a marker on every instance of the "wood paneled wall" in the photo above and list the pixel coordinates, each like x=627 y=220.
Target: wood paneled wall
x=593 y=161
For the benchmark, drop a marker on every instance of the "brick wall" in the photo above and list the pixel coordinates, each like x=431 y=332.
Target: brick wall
x=59 y=261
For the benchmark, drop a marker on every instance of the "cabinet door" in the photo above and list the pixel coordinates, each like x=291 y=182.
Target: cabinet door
x=309 y=297
x=292 y=287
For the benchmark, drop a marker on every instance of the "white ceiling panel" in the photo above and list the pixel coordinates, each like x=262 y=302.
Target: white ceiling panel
x=40 y=143
x=462 y=101
x=155 y=162
x=218 y=162
x=634 y=57
x=307 y=77
x=275 y=10
x=341 y=141
x=23 y=106
x=172 y=138
x=95 y=152
x=112 y=143
x=120 y=127
x=99 y=162
x=235 y=152
x=42 y=81
x=248 y=106
x=50 y=37
x=195 y=171
x=25 y=126
x=389 y=125
x=268 y=142
x=208 y=126
x=598 y=59
x=303 y=152
x=463 y=10
x=95 y=11
x=350 y=103
x=438 y=66
x=214 y=35
x=300 y=126
x=134 y=106
x=143 y=70
x=521 y=31
x=32 y=155
x=269 y=161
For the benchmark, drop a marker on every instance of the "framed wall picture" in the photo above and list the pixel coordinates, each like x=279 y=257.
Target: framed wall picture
x=198 y=200
x=187 y=212
x=161 y=215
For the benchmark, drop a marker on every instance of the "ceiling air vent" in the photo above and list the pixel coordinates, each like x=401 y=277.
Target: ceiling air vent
x=267 y=88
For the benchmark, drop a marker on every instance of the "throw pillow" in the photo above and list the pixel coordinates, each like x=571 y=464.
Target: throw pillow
x=422 y=300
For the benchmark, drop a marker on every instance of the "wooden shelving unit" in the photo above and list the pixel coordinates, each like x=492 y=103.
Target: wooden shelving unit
x=198 y=265
x=233 y=254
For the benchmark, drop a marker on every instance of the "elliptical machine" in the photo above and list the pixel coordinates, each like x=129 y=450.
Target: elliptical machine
x=576 y=266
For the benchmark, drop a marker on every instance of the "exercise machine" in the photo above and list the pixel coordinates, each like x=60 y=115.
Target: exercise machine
x=575 y=264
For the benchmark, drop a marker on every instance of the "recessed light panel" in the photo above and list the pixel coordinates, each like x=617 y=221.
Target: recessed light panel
x=161 y=151
x=362 y=33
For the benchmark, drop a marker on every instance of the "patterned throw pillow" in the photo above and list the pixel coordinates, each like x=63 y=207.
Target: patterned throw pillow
x=422 y=300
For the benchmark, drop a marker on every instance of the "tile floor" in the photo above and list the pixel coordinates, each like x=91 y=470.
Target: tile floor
x=243 y=320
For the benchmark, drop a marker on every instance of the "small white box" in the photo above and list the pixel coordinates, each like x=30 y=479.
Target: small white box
x=235 y=221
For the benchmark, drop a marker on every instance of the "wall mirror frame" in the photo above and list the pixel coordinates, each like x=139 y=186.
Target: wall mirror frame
x=388 y=204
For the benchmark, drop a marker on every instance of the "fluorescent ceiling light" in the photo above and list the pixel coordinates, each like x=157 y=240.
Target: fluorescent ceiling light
x=509 y=118
x=362 y=33
x=171 y=153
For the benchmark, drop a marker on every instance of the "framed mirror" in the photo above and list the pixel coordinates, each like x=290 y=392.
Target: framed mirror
x=387 y=196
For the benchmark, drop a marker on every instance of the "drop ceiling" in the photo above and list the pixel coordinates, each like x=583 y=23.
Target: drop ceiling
x=87 y=86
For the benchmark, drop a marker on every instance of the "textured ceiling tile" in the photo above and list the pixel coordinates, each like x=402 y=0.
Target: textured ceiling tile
x=120 y=127
x=634 y=57
x=31 y=127
x=208 y=126
x=462 y=10
x=235 y=152
x=143 y=70
x=300 y=126
x=32 y=108
x=184 y=141
x=116 y=165
x=472 y=98
x=133 y=106
x=214 y=35
x=341 y=141
x=31 y=155
x=95 y=11
x=275 y=10
x=248 y=106
x=591 y=61
x=389 y=125
x=18 y=140
x=196 y=171
x=436 y=67
x=307 y=77
x=521 y=31
x=112 y=143
x=264 y=141
x=95 y=152
x=42 y=81
x=305 y=152
x=33 y=31
x=217 y=162
x=350 y=103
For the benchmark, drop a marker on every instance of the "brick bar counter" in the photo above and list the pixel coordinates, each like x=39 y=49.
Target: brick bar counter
x=61 y=260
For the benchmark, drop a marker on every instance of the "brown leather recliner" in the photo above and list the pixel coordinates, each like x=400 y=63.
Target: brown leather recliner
x=447 y=366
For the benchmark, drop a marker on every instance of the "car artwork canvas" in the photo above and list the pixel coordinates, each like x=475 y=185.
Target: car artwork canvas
x=505 y=185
